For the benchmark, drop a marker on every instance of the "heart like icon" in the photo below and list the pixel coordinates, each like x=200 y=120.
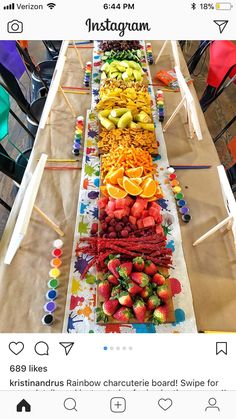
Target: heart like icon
x=16 y=347
x=165 y=404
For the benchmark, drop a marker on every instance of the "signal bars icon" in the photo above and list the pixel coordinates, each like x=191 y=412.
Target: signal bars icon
x=9 y=6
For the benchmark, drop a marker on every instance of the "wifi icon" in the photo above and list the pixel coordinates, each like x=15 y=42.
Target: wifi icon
x=51 y=5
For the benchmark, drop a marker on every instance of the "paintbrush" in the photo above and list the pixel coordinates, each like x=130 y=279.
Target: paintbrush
x=190 y=167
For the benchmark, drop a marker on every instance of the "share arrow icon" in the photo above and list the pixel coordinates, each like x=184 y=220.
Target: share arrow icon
x=67 y=346
x=222 y=24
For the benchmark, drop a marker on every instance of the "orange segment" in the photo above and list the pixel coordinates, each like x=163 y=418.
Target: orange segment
x=120 y=181
x=134 y=172
x=104 y=192
x=131 y=187
x=149 y=187
x=114 y=175
x=116 y=192
x=159 y=192
x=137 y=180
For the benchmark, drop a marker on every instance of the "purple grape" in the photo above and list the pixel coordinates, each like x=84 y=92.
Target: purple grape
x=112 y=235
x=124 y=233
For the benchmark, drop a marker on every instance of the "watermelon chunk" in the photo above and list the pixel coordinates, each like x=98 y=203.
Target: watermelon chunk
x=145 y=213
x=102 y=202
x=120 y=203
x=111 y=206
x=155 y=213
x=159 y=230
x=140 y=224
x=119 y=214
x=142 y=202
x=132 y=220
x=129 y=201
x=148 y=222
x=155 y=205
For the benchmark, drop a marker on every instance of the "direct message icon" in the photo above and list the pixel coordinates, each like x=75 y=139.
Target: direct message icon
x=165 y=404
x=221 y=348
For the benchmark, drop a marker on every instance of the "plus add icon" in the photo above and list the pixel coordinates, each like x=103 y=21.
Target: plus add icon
x=118 y=405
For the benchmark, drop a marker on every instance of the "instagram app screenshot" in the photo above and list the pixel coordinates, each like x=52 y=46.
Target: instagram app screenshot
x=117 y=209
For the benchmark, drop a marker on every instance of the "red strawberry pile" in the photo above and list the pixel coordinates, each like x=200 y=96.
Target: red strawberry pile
x=120 y=217
x=133 y=291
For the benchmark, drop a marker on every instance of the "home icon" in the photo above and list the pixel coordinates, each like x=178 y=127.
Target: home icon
x=23 y=406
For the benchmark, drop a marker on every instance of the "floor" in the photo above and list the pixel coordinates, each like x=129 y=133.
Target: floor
x=217 y=115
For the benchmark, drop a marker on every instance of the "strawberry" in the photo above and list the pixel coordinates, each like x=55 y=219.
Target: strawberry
x=125 y=299
x=104 y=289
x=140 y=278
x=163 y=292
x=146 y=291
x=158 y=279
x=113 y=264
x=125 y=269
x=123 y=314
x=101 y=316
x=150 y=268
x=112 y=279
x=160 y=314
x=110 y=306
x=138 y=264
x=153 y=302
x=133 y=288
x=116 y=290
x=140 y=310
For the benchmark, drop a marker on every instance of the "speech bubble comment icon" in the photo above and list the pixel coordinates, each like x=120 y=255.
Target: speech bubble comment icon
x=70 y=404
x=41 y=348
x=221 y=348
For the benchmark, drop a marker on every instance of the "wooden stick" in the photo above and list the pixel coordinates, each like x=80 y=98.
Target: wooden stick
x=168 y=123
x=161 y=51
x=213 y=230
x=78 y=55
x=62 y=168
x=68 y=102
x=49 y=222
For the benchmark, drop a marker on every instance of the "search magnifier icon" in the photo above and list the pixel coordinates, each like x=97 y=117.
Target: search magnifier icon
x=70 y=404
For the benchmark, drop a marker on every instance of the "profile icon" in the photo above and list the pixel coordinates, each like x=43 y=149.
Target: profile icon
x=212 y=405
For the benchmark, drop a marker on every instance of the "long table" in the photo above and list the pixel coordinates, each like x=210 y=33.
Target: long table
x=211 y=266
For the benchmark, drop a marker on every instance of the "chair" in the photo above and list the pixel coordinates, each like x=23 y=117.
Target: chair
x=221 y=66
x=198 y=54
x=12 y=168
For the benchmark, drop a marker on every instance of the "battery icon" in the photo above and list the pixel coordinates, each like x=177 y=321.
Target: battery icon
x=224 y=6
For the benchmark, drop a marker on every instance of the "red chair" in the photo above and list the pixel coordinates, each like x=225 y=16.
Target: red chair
x=221 y=66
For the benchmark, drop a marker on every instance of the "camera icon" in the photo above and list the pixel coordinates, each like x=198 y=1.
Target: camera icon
x=15 y=26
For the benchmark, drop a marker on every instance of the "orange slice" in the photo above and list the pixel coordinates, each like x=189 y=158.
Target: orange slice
x=112 y=178
x=137 y=180
x=134 y=172
x=120 y=182
x=131 y=187
x=116 y=192
x=149 y=187
x=159 y=192
x=103 y=190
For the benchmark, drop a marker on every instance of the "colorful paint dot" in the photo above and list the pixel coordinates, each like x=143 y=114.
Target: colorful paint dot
x=174 y=182
x=58 y=243
x=50 y=307
x=55 y=262
x=54 y=273
x=51 y=294
x=177 y=189
x=53 y=283
x=48 y=319
x=57 y=253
